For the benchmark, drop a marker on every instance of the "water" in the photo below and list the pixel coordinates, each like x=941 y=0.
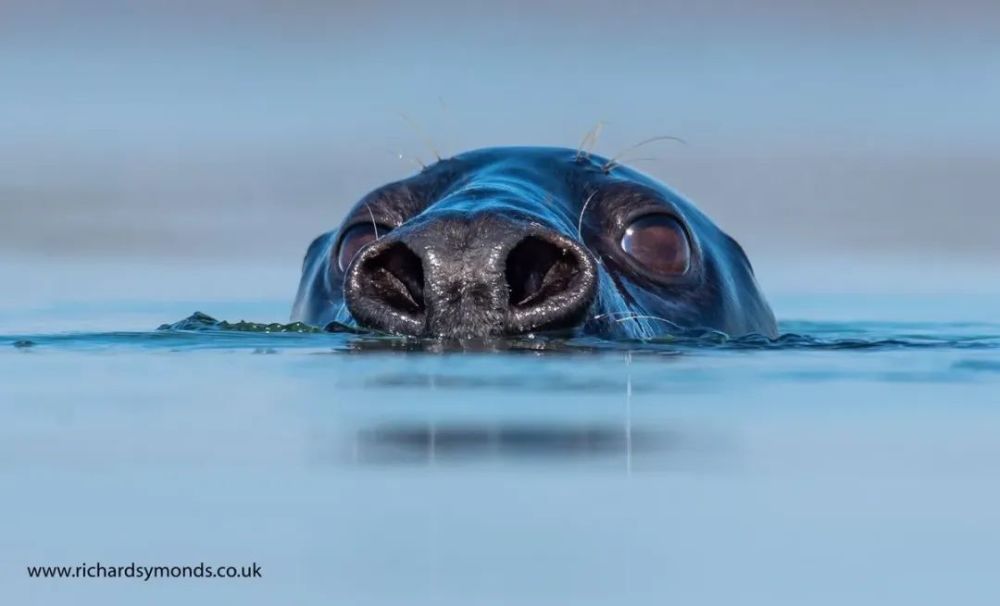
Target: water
x=853 y=461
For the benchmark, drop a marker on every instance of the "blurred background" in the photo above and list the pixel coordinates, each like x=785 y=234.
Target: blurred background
x=850 y=146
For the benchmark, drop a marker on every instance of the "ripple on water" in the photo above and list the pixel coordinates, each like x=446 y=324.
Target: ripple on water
x=201 y=331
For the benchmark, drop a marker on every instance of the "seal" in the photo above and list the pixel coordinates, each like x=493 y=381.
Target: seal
x=514 y=240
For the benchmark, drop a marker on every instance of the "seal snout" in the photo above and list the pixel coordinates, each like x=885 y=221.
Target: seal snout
x=469 y=278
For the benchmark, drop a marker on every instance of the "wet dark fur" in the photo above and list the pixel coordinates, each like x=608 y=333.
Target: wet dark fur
x=581 y=198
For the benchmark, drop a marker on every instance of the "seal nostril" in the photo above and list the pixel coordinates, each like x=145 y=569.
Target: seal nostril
x=537 y=270
x=395 y=277
x=552 y=281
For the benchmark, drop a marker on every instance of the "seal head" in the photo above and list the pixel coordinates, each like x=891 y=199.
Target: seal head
x=508 y=241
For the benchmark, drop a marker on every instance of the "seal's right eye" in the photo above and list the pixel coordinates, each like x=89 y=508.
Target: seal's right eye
x=355 y=239
x=658 y=243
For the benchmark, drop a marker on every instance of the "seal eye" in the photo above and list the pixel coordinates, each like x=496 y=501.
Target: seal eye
x=659 y=244
x=355 y=239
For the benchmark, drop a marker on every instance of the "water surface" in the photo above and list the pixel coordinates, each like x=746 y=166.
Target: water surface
x=851 y=461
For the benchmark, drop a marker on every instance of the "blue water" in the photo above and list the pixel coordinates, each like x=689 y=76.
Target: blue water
x=852 y=461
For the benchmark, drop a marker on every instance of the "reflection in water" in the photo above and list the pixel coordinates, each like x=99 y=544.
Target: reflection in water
x=549 y=382
x=977 y=365
x=491 y=431
x=421 y=442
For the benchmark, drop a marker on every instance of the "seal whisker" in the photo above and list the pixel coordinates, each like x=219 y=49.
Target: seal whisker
x=579 y=223
x=372 y=216
x=629 y=316
x=614 y=313
x=422 y=135
x=613 y=162
x=643 y=317
x=589 y=140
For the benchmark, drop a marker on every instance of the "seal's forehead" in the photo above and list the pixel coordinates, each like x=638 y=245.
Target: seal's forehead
x=568 y=175
x=545 y=181
x=523 y=154
x=539 y=165
x=545 y=167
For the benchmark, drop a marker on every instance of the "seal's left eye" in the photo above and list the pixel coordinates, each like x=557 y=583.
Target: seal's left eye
x=658 y=243
x=355 y=239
